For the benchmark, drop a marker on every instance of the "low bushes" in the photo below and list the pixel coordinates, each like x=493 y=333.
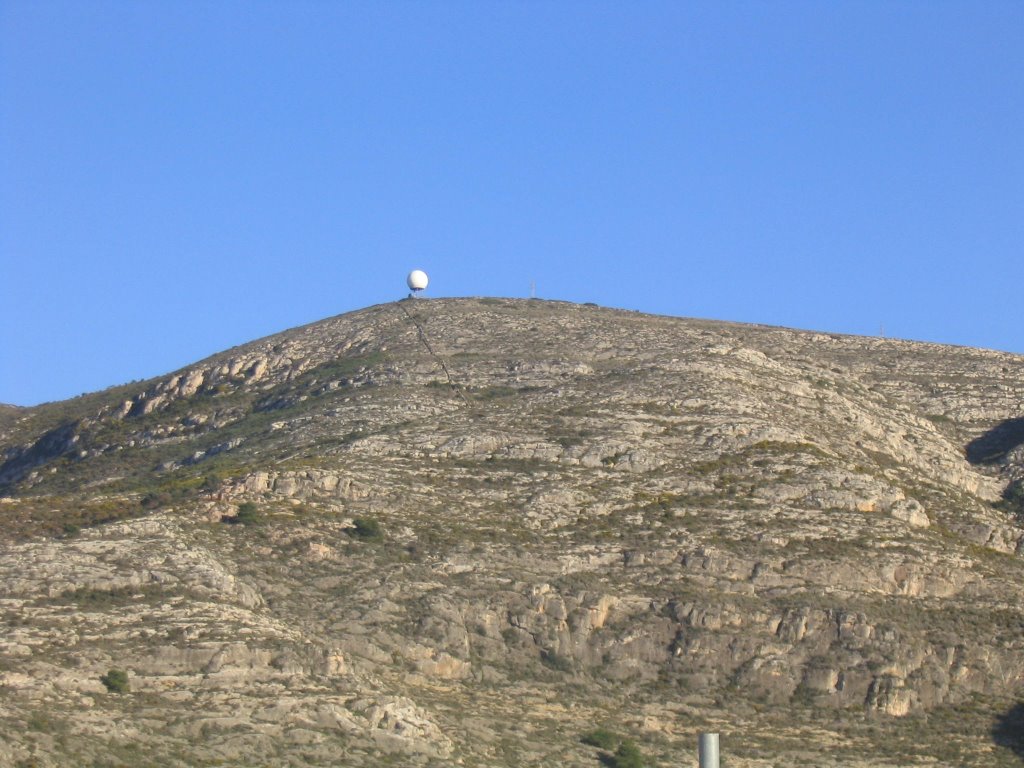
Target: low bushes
x=367 y=529
x=116 y=681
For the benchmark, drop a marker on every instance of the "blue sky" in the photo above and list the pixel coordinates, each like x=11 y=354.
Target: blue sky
x=180 y=177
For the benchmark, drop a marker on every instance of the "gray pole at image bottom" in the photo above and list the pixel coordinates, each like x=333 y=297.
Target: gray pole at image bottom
x=707 y=748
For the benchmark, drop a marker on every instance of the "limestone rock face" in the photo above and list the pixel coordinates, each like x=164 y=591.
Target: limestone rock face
x=466 y=532
x=911 y=512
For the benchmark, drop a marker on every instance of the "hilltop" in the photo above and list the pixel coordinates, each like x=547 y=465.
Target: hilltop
x=472 y=530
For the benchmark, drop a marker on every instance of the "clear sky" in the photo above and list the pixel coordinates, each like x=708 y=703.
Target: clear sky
x=180 y=177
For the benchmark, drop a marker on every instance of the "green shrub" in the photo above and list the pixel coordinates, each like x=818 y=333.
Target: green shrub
x=556 y=661
x=155 y=500
x=116 y=681
x=42 y=722
x=1013 y=499
x=628 y=755
x=248 y=514
x=367 y=529
x=494 y=392
x=601 y=738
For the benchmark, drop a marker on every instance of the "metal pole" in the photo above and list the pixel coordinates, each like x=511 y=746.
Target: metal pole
x=707 y=748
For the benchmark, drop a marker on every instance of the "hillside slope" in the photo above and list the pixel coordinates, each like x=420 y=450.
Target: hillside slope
x=473 y=530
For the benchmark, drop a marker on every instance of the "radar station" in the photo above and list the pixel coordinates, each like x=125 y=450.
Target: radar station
x=417 y=282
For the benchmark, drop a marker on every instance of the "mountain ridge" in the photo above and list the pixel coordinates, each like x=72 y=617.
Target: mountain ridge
x=556 y=514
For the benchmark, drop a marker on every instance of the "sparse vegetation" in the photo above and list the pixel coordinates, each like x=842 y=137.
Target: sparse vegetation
x=601 y=738
x=366 y=529
x=248 y=514
x=541 y=587
x=494 y=392
x=556 y=661
x=116 y=681
x=628 y=755
x=618 y=752
x=1013 y=500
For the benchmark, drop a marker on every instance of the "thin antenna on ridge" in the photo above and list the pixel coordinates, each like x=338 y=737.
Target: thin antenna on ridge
x=533 y=289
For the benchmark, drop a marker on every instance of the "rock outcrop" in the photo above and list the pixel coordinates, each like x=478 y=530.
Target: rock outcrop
x=469 y=531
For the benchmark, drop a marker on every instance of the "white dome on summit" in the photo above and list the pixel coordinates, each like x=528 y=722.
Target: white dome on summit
x=417 y=280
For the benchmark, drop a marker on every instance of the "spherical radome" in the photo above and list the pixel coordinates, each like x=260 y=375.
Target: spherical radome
x=417 y=280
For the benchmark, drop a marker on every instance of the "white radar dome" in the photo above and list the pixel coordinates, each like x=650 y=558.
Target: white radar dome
x=417 y=280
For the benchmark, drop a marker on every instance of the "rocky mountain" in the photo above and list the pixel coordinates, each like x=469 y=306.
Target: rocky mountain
x=488 y=532
x=8 y=414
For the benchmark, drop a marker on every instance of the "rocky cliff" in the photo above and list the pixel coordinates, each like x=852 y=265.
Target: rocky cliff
x=470 y=531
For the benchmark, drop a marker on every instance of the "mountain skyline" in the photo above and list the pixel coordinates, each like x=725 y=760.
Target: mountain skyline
x=177 y=179
x=476 y=530
x=167 y=370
